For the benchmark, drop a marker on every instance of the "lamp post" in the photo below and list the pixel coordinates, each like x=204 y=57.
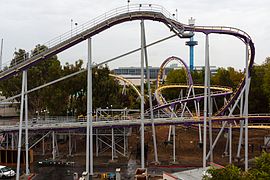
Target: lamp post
x=67 y=114
x=37 y=112
x=71 y=27
x=111 y=111
x=128 y=4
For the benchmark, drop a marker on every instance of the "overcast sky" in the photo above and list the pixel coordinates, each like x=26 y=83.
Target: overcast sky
x=25 y=23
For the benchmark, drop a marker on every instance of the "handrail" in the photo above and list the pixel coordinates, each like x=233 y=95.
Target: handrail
x=84 y=27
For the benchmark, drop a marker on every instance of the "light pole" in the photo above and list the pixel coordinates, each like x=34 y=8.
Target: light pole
x=128 y=4
x=67 y=114
x=111 y=111
x=37 y=112
x=71 y=27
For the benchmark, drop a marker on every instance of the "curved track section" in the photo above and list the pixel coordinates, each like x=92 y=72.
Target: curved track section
x=219 y=91
x=126 y=81
x=160 y=100
x=129 y=13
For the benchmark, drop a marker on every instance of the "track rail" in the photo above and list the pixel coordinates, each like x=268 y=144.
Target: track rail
x=125 y=14
x=62 y=126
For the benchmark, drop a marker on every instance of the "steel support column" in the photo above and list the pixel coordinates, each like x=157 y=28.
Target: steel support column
x=12 y=141
x=200 y=126
x=69 y=144
x=150 y=96
x=7 y=143
x=89 y=138
x=43 y=147
x=113 y=144
x=142 y=94
x=174 y=152
x=230 y=144
x=246 y=108
x=97 y=144
x=26 y=128
x=20 y=128
x=205 y=98
x=53 y=145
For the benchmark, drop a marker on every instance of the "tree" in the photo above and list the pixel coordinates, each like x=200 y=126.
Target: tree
x=262 y=167
x=261 y=170
x=230 y=172
x=266 y=80
x=258 y=100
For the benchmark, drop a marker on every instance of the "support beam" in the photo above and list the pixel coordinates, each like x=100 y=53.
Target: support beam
x=53 y=145
x=12 y=141
x=26 y=128
x=20 y=129
x=200 y=126
x=125 y=142
x=69 y=143
x=150 y=97
x=7 y=143
x=43 y=147
x=142 y=94
x=246 y=108
x=205 y=98
x=97 y=144
x=89 y=138
x=230 y=145
x=217 y=138
x=113 y=144
x=174 y=151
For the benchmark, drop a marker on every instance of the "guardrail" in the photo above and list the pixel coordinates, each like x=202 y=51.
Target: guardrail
x=82 y=28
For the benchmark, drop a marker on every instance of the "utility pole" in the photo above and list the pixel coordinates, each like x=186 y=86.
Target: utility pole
x=1 y=53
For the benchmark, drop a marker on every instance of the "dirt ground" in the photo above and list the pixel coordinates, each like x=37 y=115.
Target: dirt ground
x=188 y=153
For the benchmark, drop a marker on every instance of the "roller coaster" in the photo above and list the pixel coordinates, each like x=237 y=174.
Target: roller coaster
x=159 y=14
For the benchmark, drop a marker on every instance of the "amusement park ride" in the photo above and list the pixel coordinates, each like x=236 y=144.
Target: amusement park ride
x=183 y=110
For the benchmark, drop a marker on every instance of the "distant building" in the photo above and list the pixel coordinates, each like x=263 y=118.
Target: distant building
x=134 y=73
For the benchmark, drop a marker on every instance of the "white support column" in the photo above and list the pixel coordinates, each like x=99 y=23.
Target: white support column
x=227 y=144
x=53 y=145
x=43 y=147
x=125 y=145
x=241 y=130
x=142 y=94
x=209 y=106
x=200 y=126
x=89 y=138
x=97 y=144
x=230 y=145
x=69 y=143
x=210 y=122
x=26 y=128
x=174 y=152
x=75 y=144
x=246 y=108
x=170 y=131
x=20 y=128
x=113 y=143
x=56 y=145
x=7 y=141
x=150 y=96
x=205 y=98
x=12 y=141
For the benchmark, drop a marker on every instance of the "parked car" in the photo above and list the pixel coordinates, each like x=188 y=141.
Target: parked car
x=6 y=172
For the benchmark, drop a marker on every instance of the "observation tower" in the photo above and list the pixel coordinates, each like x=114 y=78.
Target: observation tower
x=191 y=43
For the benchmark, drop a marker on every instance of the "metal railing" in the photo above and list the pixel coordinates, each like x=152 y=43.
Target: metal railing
x=92 y=23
